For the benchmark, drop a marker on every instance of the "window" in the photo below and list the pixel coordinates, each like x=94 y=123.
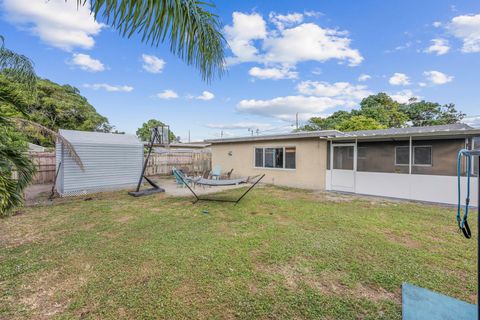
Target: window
x=290 y=158
x=269 y=157
x=258 y=157
x=401 y=155
x=422 y=155
x=281 y=158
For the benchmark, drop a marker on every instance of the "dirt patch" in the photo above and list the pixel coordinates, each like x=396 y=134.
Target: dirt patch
x=331 y=284
x=403 y=240
x=296 y=274
x=49 y=293
x=123 y=219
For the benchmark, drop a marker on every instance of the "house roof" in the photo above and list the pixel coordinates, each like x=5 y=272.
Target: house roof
x=453 y=130
x=427 y=131
x=74 y=136
x=282 y=136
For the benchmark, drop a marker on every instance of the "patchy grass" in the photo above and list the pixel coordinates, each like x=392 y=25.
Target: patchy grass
x=281 y=253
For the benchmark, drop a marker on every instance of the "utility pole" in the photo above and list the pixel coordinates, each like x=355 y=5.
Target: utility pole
x=188 y=136
x=296 y=120
x=221 y=134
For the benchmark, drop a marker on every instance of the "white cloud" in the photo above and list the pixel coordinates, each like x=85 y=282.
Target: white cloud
x=437 y=24
x=109 y=87
x=167 y=94
x=152 y=63
x=313 y=100
x=341 y=90
x=281 y=21
x=437 y=77
x=241 y=125
x=399 y=79
x=438 y=46
x=250 y=41
x=404 y=96
x=58 y=23
x=364 y=77
x=310 y=42
x=240 y=36
x=473 y=121
x=273 y=73
x=466 y=28
x=285 y=108
x=87 y=63
x=206 y=95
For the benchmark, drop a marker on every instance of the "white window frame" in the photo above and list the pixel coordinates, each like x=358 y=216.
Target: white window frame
x=275 y=147
x=402 y=164
x=431 y=156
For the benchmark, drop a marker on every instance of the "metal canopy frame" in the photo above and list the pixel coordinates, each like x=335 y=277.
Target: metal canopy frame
x=197 y=198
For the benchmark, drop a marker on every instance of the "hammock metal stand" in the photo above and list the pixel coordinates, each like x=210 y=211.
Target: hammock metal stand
x=197 y=198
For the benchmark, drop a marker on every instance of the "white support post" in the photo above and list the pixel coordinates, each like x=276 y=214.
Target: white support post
x=410 y=156
x=355 y=154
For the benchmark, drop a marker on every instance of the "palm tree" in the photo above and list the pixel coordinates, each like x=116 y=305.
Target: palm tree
x=13 y=157
x=192 y=31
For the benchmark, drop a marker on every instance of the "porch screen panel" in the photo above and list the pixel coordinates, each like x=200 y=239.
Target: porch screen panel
x=380 y=157
x=443 y=157
x=343 y=158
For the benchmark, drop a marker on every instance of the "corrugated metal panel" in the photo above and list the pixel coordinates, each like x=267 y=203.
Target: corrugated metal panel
x=108 y=164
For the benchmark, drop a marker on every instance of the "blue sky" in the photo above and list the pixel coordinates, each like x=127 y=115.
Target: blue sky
x=310 y=57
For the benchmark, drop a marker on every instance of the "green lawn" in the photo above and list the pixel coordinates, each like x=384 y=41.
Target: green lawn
x=281 y=253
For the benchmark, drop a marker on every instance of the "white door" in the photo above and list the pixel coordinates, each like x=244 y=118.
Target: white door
x=343 y=167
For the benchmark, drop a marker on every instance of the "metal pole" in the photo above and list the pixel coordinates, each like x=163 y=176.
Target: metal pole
x=478 y=237
x=152 y=141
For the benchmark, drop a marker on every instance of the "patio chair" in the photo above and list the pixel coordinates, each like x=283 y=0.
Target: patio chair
x=181 y=179
x=216 y=172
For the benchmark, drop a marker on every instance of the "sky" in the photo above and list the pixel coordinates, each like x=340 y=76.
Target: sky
x=284 y=58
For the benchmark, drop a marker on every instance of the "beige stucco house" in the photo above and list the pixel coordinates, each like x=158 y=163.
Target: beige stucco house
x=417 y=163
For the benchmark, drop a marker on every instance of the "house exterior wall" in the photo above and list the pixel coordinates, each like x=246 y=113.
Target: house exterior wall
x=310 y=161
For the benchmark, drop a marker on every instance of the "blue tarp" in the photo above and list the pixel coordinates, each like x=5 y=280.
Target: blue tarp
x=419 y=303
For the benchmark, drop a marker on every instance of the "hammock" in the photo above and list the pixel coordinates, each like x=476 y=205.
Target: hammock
x=216 y=183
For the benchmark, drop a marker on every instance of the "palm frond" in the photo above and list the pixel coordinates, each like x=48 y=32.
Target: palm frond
x=193 y=32
x=11 y=189
x=16 y=65
x=50 y=133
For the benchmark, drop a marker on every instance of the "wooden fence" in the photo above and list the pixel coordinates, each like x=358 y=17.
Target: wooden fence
x=188 y=162
x=158 y=164
x=45 y=164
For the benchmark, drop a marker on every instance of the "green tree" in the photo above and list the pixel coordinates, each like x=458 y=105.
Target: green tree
x=54 y=107
x=360 y=122
x=424 y=113
x=145 y=131
x=383 y=109
x=193 y=32
x=328 y=123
